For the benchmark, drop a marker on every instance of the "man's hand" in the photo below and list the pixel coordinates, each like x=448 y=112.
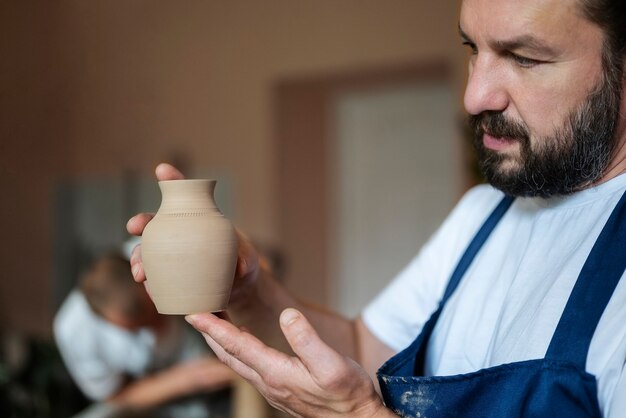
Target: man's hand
x=137 y=223
x=318 y=382
x=247 y=258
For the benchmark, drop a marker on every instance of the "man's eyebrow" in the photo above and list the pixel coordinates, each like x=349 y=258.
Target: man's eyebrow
x=528 y=42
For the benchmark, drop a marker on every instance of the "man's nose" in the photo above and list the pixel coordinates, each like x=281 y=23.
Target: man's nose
x=486 y=87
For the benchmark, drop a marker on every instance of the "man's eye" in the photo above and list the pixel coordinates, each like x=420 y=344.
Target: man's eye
x=471 y=46
x=523 y=61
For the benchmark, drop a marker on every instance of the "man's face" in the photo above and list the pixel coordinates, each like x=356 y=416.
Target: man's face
x=543 y=109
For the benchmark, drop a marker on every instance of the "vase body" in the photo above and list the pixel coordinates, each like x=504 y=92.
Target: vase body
x=189 y=250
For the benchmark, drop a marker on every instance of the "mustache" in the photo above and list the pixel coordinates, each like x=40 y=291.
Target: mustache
x=496 y=124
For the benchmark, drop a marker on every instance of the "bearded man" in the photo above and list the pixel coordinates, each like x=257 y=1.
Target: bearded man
x=516 y=306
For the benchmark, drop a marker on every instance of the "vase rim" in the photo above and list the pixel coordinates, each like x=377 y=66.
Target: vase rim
x=189 y=181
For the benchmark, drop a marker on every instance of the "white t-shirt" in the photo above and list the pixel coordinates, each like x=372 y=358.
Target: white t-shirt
x=510 y=300
x=99 y=354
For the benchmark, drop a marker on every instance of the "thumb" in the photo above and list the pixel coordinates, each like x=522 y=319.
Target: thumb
x=165 y=171
x=306 y=343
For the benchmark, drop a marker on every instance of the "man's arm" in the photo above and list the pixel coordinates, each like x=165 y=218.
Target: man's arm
x=257 y=300
x=372 y=352
x=260 y=309
x=201 y=375
x=321 y=379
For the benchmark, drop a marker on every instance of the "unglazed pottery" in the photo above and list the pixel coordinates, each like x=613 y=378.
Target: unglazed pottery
x=189 y=250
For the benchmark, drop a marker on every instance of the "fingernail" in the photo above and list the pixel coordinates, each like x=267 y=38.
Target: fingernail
x=289 y=316
x=190 y=319
x=135 y=270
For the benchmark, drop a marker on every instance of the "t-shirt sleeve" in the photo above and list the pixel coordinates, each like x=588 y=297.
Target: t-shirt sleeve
x=398 y=313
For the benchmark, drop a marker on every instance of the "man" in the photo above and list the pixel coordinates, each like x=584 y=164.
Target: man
x=119 y=350
x=518 y=301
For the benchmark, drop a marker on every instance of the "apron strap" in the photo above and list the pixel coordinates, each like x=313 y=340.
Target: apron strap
x=477 y=243
x=593 y=289
x=466 y=260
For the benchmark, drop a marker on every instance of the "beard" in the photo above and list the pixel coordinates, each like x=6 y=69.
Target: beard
x=572 y=158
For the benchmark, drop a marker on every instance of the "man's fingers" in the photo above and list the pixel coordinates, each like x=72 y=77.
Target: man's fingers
x=139 y=275
x=165 y=171
x=136 y=266
x=137 y=223
x=247 y=258
x=316 y=356
x=223 y=315
x=241 y=345
x=235 y=364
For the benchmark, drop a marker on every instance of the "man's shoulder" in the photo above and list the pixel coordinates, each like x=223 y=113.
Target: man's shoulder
x=74 y=306
x=75 y=320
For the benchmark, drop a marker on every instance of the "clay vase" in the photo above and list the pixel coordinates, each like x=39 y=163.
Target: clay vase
x=189 y=250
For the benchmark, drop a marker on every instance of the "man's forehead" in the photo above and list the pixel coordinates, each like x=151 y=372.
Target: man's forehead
x=510 y=18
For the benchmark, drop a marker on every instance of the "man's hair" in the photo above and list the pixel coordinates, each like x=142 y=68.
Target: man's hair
x=610 y=15
x=108 y=284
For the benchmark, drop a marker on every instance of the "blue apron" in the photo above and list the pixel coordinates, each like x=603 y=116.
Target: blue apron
x=555 y=386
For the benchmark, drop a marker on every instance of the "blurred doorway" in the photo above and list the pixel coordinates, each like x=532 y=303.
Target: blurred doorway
x=369 y=165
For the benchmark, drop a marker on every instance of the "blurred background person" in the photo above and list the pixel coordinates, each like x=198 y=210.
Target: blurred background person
x=127 y=357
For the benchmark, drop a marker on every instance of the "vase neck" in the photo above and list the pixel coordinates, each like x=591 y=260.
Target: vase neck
x=186 y=195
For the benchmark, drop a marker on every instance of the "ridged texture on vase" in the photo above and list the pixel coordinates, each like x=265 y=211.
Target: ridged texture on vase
x=189 y=250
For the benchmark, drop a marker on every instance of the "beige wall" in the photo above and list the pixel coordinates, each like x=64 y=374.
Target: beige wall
x=33 y=150
x=97 y=87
